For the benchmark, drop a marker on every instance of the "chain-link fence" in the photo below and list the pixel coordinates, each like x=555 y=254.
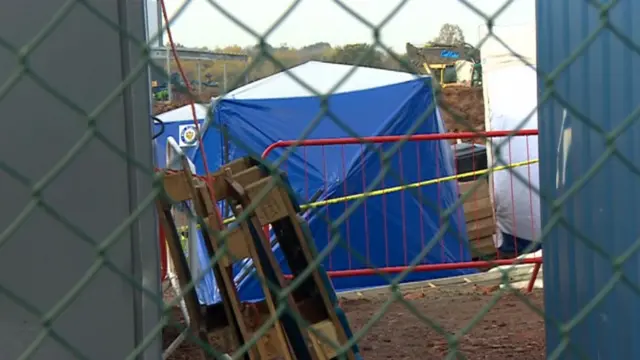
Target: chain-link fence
x=386 y=212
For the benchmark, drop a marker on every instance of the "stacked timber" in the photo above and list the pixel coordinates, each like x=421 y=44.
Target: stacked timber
x=480 y=218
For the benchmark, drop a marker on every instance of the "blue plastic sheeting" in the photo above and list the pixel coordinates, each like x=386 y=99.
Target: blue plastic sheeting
x=206 y=288
x=389 y=230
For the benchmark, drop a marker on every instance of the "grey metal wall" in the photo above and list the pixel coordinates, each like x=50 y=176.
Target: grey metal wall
x=83 y=59
x=602 y=84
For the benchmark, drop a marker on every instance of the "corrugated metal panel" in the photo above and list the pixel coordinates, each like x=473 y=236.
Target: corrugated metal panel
x=603 y=85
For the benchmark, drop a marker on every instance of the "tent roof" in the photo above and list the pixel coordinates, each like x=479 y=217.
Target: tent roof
x=183 y=113
x=320 y=76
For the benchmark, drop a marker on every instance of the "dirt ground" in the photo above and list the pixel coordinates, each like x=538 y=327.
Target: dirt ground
x=180 y=100
x=510 y=330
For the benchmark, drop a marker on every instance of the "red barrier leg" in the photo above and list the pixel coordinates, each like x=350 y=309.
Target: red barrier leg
x=163 y=253
x=534 y=276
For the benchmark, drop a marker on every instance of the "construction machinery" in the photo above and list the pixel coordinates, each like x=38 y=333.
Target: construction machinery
x=448 y=64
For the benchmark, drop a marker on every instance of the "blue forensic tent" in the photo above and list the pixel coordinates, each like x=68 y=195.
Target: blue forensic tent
x=385 y=231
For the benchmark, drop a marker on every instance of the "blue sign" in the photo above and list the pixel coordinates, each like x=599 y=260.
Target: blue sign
x=450 y=54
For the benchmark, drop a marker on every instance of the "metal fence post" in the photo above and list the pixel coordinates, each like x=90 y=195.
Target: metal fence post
x=54 y=283
x=591 y=193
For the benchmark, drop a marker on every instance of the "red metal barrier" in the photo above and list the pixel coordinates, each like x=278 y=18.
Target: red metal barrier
x=342 y=142
x=475 y=137
x=163 y=253
x=431 y=267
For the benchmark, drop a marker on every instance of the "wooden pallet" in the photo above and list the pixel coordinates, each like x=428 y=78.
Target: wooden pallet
x=276 y=206
x=183 y=186
x=241 y=184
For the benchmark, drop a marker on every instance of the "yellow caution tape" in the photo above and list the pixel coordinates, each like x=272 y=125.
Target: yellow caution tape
x=414 y=185
x=393 y=189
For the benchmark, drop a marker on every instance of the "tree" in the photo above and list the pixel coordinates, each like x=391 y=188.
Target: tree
x=358 y=54
x=450 y=34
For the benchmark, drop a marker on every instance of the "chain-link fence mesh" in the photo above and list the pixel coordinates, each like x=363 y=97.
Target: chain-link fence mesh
x=429 y=320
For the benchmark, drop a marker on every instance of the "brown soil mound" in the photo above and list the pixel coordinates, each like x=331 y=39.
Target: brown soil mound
x=180 y=100
x=462 y=108
x=163 y=107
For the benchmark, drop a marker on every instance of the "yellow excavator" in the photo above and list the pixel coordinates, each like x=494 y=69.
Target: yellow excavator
x=448 y=64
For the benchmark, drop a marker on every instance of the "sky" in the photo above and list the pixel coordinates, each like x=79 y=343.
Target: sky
x=417 y=22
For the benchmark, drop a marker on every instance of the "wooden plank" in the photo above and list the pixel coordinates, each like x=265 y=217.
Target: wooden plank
x=218 y=186
x=207 y=206
x=244 y=177
x=481 y=228
x=176 y=186
x=465 y=187
x=182 y=271
x=248 y=176
x=482 y=247
x=474 y=203
x=237 y=248
x=260 y=311
x=241 y=197
x=281 y=339
x=480 y=218
x=325 y=350
x=480 y=210
x=329 y=306
x=269 y=341
x=478 y=214
x=228 y=291
x=273 y=263
x=224 y=279
x=272 y=207
x=235 y=166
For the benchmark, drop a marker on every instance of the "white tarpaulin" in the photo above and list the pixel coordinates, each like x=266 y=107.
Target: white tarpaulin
x=510 y=91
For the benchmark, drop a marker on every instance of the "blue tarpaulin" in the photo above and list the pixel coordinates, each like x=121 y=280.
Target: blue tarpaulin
x=384 y=231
